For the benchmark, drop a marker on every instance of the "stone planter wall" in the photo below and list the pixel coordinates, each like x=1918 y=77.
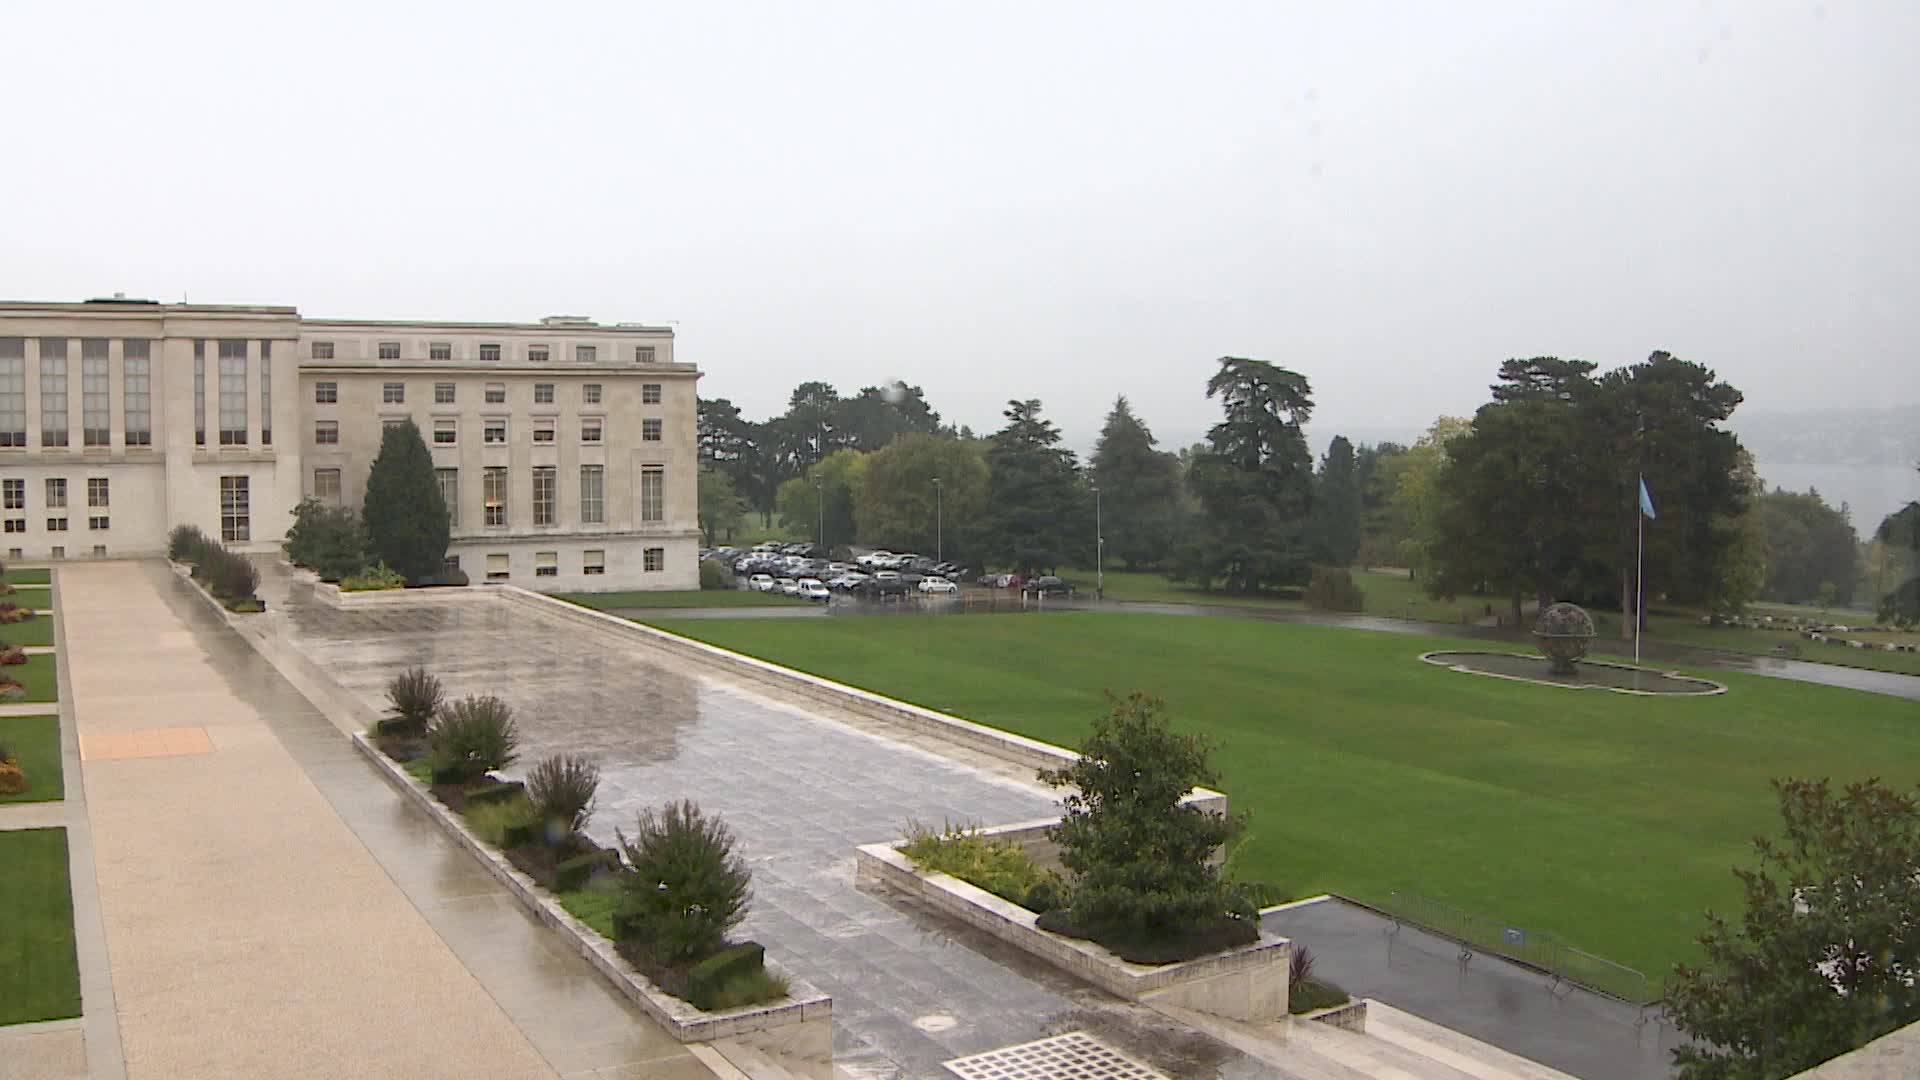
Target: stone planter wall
x=1245 y=984
x=684 y=1022
x=1349 y=1017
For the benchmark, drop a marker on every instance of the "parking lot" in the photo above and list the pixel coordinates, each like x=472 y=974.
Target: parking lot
x=806 y=572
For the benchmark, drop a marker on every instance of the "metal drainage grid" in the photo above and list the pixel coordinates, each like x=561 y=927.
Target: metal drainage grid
x=1073 y=1056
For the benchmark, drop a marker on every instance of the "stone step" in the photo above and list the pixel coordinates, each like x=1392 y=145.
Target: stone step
x=716 y=1062
x=1372 y=1057
x=752 y=1061
x=1462 y=1052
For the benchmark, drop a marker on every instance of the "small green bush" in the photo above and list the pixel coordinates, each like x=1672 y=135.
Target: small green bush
x=185 y=543
x=327 y=540
x=1001 y=867
x=712 y=576
x=413 y=697
x=1314 y=994
x=470 y=738
x=686 y=888
x=494 y=822
x=1332 y=589
x=373 y=579
x=706 y=978
x=562 y=789
x=497 y=793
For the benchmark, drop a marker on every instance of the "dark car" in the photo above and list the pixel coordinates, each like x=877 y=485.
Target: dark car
x=1050 y=586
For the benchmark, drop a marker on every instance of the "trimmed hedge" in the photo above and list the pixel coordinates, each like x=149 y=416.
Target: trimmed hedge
x=229 y=576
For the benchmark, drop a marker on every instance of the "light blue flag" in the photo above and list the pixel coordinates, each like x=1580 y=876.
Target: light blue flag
x=1646 y=501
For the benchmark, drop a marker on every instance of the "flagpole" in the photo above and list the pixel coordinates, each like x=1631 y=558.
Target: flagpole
x=1639 y=574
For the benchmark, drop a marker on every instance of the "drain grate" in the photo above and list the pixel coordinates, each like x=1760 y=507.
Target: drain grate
x=1073 y=1056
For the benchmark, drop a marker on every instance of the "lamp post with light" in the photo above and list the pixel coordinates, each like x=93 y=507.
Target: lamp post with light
x=1099 y=550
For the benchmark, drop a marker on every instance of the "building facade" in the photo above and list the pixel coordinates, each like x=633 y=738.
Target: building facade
x=566 y=449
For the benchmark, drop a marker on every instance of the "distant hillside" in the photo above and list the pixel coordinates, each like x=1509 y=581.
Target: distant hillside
x=1889 y=436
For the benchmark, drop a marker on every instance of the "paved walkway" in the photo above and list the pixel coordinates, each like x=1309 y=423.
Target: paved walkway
x=1489 y=999
x=270 y=908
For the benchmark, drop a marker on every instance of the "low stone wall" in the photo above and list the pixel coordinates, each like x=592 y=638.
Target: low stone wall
x=1349 y=1017
x=335 y=596
x=1002 y=744
x=1244 y=984
x=684 y=1022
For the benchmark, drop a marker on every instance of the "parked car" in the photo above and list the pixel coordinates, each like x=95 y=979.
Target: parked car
x=874 y=558
x=1050 y=586
x=789 y=586
x=761 y=583
x=935 y=586
x=814 y=589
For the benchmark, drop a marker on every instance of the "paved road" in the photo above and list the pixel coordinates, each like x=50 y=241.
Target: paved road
x=1512 y=1007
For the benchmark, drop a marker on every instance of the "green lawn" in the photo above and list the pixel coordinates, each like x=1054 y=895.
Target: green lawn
x=1608 y=819
x=28 y=577
x=1685 y=629
x=689 y=598
x=39 y=676
x=35 y=631
x=1387 y=593
x=36 y=742
x=39 y=977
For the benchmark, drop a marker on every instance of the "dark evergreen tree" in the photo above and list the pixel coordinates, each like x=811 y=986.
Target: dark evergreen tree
x=404 y=516
x=1035 y=516
x=878 y=415
x=1139 y=489
x=1335 y=528
x=1254 y=481
x=1811 y=547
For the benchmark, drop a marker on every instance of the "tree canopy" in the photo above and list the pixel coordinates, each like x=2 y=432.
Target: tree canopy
x=896 y=506
x=1254 y=481
x=1810 y=546
x=1139 y=489
x=404 y=516
x=1036 y=517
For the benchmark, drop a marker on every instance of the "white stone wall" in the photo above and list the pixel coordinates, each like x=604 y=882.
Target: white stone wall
x=625 y=562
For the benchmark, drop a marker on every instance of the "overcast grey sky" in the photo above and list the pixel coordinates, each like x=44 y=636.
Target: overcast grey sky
x=1012 y=200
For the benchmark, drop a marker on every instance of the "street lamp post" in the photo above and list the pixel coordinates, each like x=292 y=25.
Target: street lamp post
x=1099 y=550
x=939 y=524
x=820 y=504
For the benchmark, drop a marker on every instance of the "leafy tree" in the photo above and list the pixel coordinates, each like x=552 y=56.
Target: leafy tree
x=1334 y=529
x=733 y=445
x=1254 y=481
x=1826 y=957
x=1142 y=858
x=1139 y=489
x=1901 y=530
x=406 y=520
x=878 y=415
x=1411 y=523
x=1035 y=518
x=833 y=478
x=327 y=540
x=895 y=504
x=1809 y=544
x=1376 y=471
x=721 y=509
x=808 y=431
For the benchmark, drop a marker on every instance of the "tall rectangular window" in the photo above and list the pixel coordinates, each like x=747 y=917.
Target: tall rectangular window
x=14 y=494
x=543 y=476
x=443 y=393
x=13 y=391
x=199 y=393
x=137 y=391
x=650 y=393
x=653 y=492
x=590 y=393
x=593 y=495
x=53 y=391
x=493 y=431
x=543 y=393
x=543 y=429
x=233 y=392
x=95 y=417
x=655 y=559
x=99 y=492
x=449 y=480
x=266 y=393
x=235 y=513
x=326 y=486
x=56 y=493
x=493 y=493
x=650 y=430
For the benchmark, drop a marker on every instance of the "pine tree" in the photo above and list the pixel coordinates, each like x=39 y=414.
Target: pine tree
x=1139 y=489
x=1336 y=506
x=405 y=518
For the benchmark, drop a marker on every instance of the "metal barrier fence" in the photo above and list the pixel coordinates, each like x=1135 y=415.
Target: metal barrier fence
x=1539 y=949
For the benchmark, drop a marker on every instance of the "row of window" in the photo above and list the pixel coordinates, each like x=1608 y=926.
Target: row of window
x=493 y=430
x=57 y=524
x=58 y=552
x=490 y=352
x=13 y=493
x=95 y=416
x=547 y=563
x=545 y=479
x=395 y=393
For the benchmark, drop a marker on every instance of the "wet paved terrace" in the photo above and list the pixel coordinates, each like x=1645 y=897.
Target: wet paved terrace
x=800 y=791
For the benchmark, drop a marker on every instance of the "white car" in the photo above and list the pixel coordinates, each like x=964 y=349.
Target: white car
x=761 y=583
x=874 y=558
x=789 y=586
x=814 y=589
x=938 y=586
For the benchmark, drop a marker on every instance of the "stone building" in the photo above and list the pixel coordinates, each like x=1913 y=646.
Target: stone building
x=565 y=448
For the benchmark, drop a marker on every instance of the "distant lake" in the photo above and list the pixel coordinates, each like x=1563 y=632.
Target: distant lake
x=1870 y=491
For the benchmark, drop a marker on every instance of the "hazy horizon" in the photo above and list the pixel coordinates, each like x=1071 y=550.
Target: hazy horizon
x=999 y=201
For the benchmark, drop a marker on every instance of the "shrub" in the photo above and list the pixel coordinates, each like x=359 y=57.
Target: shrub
x=1001 y=867
x=1299 y=966
x=1332 y=589
x=374 y=578
x=686 y=887
x=13 y=778
x=235 y=577
x=185 y=543
x=1314 y=994
x=326 y=539
x=561 y=789
x=11 y=655
x=413 y=697
x=11 y=612
x=495 y=822
x=712 y=576
x=406 y=519
x=470 y=738
x=709 y=976
x=1140 y=855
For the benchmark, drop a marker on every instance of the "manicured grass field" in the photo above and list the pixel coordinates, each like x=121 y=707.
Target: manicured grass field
x=1387 y=593
x=39 y=978
x=36 y=742
x=35 y=631
x=690 y=598
x=1608 y=819
x=39 y=676
x=28 y=577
